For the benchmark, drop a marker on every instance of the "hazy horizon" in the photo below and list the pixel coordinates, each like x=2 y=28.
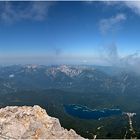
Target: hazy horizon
x=78 y=60
x=82 y=32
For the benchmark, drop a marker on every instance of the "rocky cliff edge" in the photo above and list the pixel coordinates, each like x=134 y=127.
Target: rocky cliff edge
x=31 y=123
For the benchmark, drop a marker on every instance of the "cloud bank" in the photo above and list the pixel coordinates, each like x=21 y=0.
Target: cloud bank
x=129 y=62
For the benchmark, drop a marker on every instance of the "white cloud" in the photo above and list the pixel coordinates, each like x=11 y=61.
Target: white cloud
x=36 y=10
x=134 y=5
x=129 y=61
x=109 y=24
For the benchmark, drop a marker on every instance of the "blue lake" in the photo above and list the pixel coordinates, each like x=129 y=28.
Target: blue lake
x=83 y=112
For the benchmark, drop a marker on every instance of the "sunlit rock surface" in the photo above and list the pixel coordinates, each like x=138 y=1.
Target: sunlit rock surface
x=31 y=123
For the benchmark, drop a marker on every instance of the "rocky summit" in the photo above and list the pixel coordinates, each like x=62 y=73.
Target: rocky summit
x=31 y=123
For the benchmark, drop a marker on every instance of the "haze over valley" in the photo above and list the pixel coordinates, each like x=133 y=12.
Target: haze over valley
x=78 y=60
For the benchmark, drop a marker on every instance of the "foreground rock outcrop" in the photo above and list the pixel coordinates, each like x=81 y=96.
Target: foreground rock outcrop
x=31 y=123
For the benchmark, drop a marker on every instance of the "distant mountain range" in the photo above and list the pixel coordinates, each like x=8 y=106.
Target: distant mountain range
x=81 y=78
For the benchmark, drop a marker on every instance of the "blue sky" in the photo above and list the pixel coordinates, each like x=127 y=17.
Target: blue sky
x=84 y=32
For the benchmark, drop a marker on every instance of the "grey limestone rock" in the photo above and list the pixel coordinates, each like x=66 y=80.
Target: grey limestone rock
x=31 y=123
